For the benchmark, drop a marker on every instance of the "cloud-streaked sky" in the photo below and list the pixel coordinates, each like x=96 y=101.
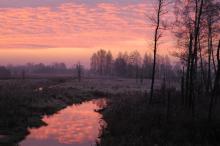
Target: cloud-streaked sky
x=71 y=30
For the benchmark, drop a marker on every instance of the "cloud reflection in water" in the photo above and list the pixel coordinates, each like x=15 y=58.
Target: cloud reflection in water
x=77 y=124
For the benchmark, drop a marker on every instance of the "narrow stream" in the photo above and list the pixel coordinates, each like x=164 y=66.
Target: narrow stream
x=77 y=125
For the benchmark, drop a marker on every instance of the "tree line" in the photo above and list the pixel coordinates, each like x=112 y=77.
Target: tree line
x=196 y=28
x=31 y=69
x=197 y=31
x=131 y=65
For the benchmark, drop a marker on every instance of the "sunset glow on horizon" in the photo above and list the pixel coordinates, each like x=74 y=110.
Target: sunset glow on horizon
x=69 y=31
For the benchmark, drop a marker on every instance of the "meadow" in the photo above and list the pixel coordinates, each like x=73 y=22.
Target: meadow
x=130 y=119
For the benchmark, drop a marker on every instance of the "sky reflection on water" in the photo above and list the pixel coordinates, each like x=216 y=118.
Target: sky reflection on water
x=77 y=125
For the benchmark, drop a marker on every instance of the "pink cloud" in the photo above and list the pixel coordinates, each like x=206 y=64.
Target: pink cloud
x=72 y=22
x=77 y=26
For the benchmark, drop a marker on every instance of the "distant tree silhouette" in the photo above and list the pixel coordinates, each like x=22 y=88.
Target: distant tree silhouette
x=120 y=66
x=79 y=69
x=4 y=73
x=134 y=64
x=94 y=63
x=101 y=62
x=147 y=65
x=131 y=65
x=109 y=63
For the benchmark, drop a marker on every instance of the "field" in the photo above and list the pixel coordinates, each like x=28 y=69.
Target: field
x=130 y=119
x=24 y=102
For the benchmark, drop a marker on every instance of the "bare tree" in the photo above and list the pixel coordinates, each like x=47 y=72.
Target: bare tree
x=79 y=71
x=194 y=59
x=217 y=78
x=211 y=19
x=188 y=24
x=215 y=92
x=120 y=66
x=160 y=10
x=135 y=61
x=109 y=62
x=101 y=62
x=94 y=63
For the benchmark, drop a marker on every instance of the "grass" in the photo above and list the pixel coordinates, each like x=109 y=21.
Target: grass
x=131 y=121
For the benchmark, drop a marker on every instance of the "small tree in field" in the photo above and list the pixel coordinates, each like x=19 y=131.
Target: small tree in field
x=79 y=69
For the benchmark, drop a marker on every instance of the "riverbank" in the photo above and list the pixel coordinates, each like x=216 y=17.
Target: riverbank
x=23 y=103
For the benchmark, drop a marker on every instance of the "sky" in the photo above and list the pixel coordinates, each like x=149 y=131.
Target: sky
x=72 y=30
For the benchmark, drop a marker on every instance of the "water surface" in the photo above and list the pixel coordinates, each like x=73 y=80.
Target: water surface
x=77 y=125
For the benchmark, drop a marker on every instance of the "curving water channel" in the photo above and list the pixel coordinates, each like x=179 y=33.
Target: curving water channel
x=77 y=125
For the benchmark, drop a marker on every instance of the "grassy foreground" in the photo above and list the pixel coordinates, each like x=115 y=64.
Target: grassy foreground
x=131 y=121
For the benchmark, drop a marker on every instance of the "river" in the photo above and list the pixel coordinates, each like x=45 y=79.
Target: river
x=77 y=125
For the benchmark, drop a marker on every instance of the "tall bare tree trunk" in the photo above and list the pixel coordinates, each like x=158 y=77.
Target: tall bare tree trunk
x=79 y=71
x=183 y=87
x=209 y=79
x=193 y=72
x=188 y=70
x=215 y=92
x=156 y=37
x=217 y=78
x=203 y=79
x=213 y=62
